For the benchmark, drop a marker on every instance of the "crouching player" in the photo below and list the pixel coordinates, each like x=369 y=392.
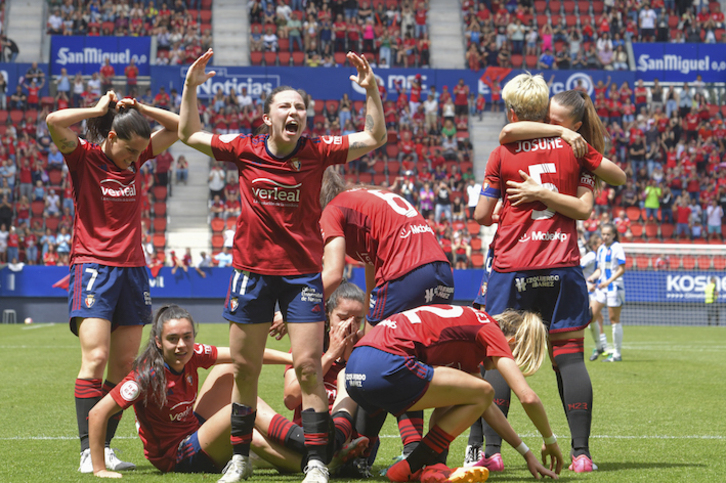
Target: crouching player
x=428 y=358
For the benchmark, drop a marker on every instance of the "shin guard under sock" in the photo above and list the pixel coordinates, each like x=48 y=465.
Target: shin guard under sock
x=87 y=393
x=430 y=450
x=243 y=422
x=343 y=422
x=502 y=396
x=410 y=426
x=317 y=428
x=286 y=433
x=577 y=391
x=369 y=425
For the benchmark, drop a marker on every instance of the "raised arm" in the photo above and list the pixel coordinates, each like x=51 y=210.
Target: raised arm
x=60 y=122
x=162 y=139
x=190 y=126
x=97 y=421
x=374 y=135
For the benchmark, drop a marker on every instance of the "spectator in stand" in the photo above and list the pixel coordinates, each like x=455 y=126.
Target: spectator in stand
x=8 y=49
x=55 y=22
x=461 y=99
x=269 y=40
x=162 y=99
x=52 y=204
x=94 y=87
x=18 y=100
x=182 y=170
x=162 y=165
x=714 y=219
x=107 y=73
x=132 y=73
x=683 y=218
x=651 y=198
x=216 y=180
x=6 y=211
x=223 y=258
x=647 y=17
x=546 y=60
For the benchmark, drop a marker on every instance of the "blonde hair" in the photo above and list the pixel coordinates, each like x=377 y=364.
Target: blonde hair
x=530 y=338
x=528 y=96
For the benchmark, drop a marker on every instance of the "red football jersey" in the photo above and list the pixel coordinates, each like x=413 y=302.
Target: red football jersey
x=441 y=335
x=162 y=429
x=381 y=229
x=278 y=231
x=107 y=226
x=531 y=236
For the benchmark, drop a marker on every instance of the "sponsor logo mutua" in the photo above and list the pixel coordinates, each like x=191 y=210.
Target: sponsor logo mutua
x=278 y=193
x=115 y=189
x=407 y=231
x=545 y=236
x=93 y=55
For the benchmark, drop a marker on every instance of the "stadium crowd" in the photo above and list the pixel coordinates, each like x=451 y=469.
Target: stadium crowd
x=316 y=33
x=182 y=28
x=580 y=34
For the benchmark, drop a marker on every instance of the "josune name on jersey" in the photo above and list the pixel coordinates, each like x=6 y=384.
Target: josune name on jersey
x=539 y=144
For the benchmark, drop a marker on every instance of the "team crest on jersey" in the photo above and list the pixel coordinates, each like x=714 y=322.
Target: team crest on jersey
x=233 y=304
x=130 y=391
x=295 y=163
x=132 y=168
x=190 y=379
x=90 y=300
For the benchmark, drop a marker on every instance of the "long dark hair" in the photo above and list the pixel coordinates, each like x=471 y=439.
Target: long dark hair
x=345 y=291
x=149 y=365
x=583 y=110
x=125 y=122
x=264 y=128
x=333 y=184
x=616 y=235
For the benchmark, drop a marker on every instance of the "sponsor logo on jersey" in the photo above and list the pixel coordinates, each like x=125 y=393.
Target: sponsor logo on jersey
x=233 y=304
x=407 y=231
x=115 y=189
x=295 y=163
x=183 y=414
x=147 y=298
x=538 y=281
x=129 y=391
x=332 y=139
x=545 y=236
x=354 y=379
x=90 y=300
x=190 y=379
x=277 y=194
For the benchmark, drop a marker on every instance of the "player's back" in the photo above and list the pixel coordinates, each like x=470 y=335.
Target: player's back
x=530 y=236
x=382 y=229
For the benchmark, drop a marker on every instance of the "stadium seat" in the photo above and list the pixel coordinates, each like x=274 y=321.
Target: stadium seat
x=530 y=61
x=217 y=242
x=159 y=224
x=666 y=230
x=159 y=208
x=393 y=168
x=270 y=58
x=598 y=7
x=331 y=106
x=379 y=179
x=540 y=5
x=205 y=16
x=284 y=58
x=633 y=213
x=159 y=240
x=319 y=106
x=571 y=20
x=688 y=262
x=16 y=116
x=475 y=243
x=256 y=58
x=340 y=58
x=651 y=230
x=217 y=225
x=636 y=229
x=555 y=7
x=55 y=177
x=719 y=263
x=642 y=262
x=473 y=227
x=365 y=178
x=704 y=262
x=51 y=223
x=392 y=151
x=569 y=6
x=231 y=222
x=298 y=58
x=629 y=263
x=37 y=208
x=159 y=193
x=477 y=260
x=517 y=60
x=31 y=115
x=3 y=117
x=583 y=6
x=283 y=45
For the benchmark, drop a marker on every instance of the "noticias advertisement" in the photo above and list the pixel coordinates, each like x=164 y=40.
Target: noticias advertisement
x=680 y=62
x=87 y=54
x=672 y=286
x=333 y=82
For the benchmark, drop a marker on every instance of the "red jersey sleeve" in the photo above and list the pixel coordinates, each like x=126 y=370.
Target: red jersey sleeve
x=331 y=223
x=591 y=161
x=74 y=157
x=587 y=180
x=127 y=392
x=205 y=355
x=492 y=176
x=490 y=337
x=228 y=147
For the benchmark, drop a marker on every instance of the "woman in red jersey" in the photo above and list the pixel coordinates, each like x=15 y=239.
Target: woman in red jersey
x=429 y=357
x=278 y=248
x=108 y=296
x=185 y=430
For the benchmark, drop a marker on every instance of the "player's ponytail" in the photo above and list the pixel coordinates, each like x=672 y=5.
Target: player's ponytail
x=125 y=122
x=333 y=185
x=583 y=110
x=530 y=338
x=149 y=365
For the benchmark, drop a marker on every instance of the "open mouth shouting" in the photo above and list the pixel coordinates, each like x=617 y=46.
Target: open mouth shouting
x=292 y=127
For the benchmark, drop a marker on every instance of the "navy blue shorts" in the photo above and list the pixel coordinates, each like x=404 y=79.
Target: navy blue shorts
x=191 y=459
x=118 y=294
x=559 y=295
x=480 y=301
x=428 y=284
x=252 y=297
x=378 y=380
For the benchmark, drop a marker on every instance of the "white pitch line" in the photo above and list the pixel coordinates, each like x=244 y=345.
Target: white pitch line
x=5 y=347
x=39 y=326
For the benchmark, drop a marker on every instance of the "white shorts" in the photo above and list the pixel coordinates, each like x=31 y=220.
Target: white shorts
x=611 y=298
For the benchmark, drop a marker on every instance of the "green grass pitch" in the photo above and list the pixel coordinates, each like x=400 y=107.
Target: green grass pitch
x=659 y=416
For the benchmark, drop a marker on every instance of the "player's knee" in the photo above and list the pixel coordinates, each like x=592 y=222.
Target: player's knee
x=95 y=359
x=246 y=371
x=307 y=372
